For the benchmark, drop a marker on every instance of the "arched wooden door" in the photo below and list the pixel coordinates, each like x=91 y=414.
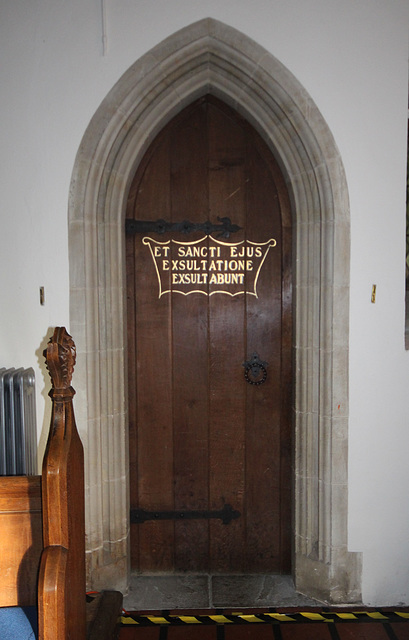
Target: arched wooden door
x=210 y=439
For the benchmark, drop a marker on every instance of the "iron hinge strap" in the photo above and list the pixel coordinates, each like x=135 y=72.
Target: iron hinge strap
x=224 y=229
x=226 y=515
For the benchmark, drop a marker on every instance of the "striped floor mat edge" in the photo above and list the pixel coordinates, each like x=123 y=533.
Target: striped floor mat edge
x=270 y=617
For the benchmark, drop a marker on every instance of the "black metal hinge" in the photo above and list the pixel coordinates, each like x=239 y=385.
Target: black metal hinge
x=224 y=229
x=226 y=515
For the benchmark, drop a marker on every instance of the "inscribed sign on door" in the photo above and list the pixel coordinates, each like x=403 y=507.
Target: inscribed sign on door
x=208 y=266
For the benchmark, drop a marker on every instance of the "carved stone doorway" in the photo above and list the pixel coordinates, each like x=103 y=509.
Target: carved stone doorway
x=210 y=57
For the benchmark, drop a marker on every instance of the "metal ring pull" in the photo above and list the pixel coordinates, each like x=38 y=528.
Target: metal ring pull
x=255 y=371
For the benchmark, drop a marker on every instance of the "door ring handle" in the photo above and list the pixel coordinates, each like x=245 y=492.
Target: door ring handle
x=255 y=371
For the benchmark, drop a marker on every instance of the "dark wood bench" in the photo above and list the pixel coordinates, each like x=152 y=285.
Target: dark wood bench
x=42 y=531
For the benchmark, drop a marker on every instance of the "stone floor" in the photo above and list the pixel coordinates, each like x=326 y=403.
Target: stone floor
x=216 y=607
x=159 y=592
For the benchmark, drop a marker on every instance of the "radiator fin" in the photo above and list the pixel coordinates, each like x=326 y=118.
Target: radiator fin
x=18 y=431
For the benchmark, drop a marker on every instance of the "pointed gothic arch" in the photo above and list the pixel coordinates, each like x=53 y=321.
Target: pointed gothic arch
x=210 y=57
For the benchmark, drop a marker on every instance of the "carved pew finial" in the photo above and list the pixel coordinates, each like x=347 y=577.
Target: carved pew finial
x=62 y=571
x=60 y=356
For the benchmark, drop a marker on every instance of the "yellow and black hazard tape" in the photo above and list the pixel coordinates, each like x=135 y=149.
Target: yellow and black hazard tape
x=337 y=617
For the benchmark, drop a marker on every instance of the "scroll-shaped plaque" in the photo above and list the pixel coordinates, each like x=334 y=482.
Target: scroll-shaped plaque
x=208 y=266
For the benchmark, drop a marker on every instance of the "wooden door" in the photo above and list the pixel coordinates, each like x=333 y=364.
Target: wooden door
x=201 y=435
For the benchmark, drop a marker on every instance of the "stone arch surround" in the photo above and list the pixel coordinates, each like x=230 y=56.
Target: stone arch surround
x=211 y=57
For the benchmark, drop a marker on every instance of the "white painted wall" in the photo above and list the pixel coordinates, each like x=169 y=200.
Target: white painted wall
x=352 y=57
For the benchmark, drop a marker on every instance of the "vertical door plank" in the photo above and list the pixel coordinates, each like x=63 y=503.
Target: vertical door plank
x=227 y=148
x=286 y=451
x=284 y=402
x=264 y=401
x=190 y=359
x=153 y=366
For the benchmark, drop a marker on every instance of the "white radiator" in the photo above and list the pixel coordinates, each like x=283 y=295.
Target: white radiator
x=18 y=431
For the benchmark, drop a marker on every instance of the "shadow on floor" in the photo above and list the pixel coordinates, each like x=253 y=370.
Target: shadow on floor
x=158 y=592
